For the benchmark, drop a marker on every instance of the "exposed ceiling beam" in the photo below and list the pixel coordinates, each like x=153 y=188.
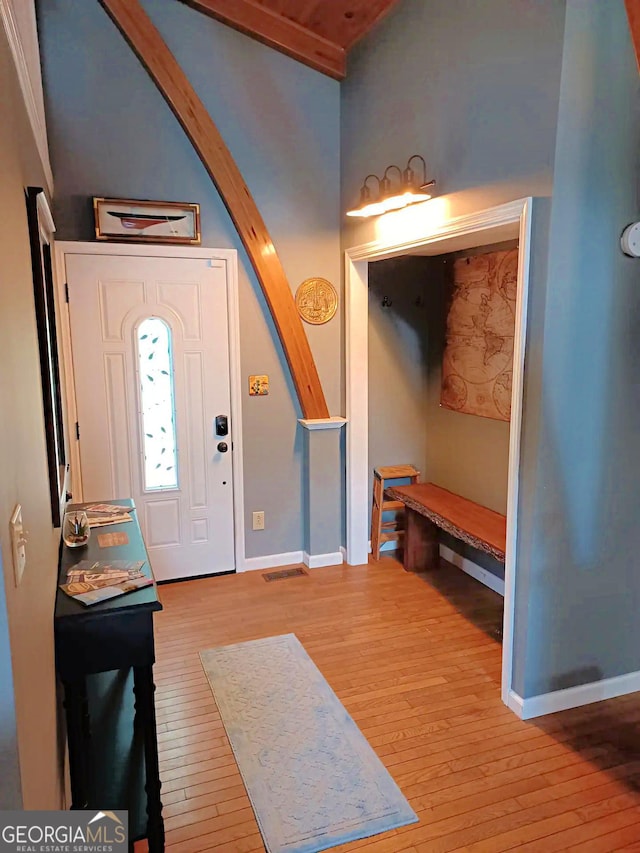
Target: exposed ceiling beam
x=633 y=13
x=375 y=11
x=145 y=40
x=278 y=32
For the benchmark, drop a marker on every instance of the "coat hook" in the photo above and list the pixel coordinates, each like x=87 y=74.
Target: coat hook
x=386 y=302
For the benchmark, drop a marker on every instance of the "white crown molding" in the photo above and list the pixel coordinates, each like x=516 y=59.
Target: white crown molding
x=25 y=78
x=458 y=226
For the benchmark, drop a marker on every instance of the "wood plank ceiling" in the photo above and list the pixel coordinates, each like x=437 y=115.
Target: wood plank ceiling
x=318 y=33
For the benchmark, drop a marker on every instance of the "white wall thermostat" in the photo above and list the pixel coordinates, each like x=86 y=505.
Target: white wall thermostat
x=630 y=240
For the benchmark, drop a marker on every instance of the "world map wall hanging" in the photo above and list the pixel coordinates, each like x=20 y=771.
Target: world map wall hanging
x=477 y=366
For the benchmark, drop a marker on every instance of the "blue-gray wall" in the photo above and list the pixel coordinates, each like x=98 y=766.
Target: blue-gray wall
x=578 y=584
x=398 y=375
x=472 y=86
x=112 y=134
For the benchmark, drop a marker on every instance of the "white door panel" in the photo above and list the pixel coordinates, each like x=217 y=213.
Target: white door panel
x=130 y=412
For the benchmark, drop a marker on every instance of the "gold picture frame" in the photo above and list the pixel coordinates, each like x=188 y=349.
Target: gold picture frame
x=141 y=221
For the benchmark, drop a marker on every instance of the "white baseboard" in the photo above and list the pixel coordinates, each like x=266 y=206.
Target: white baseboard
x=271 y=561
x=573 y=697
x=343 y=551
x=291 y=558
x=319 y=561
x=473 y=569
x=515 y=702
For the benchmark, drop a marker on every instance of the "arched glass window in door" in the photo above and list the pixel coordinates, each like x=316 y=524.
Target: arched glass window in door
x=157 y=405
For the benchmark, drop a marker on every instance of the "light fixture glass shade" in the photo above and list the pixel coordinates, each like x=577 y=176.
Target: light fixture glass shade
x=410 y=191
x=393 y=202
x=374 y=208
x=405 y=198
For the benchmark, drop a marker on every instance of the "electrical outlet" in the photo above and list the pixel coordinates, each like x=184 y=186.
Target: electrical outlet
x=258 y=520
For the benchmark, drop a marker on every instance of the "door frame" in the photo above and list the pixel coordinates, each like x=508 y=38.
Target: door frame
x=230 y=259
x=411 y=230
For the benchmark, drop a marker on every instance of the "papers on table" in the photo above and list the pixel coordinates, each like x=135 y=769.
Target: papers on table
x=90 y=583
x=100 y=515
x=95 y=596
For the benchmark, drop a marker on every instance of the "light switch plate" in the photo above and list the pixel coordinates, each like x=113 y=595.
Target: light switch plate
x=18 y=542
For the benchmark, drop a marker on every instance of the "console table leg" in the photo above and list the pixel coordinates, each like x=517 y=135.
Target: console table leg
x=146 y=718
x=421 y=546
x=76 y=708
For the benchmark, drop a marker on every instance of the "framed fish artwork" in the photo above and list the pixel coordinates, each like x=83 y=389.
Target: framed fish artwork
x=122 y=219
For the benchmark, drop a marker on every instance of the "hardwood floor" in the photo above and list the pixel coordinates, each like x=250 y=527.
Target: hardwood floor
x=415 y=659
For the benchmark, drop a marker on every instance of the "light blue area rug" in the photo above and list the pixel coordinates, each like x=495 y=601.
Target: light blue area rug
x=312 y=778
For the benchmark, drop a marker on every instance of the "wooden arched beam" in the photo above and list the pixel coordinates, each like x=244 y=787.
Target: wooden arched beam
x=147 y=43
x=633 y=13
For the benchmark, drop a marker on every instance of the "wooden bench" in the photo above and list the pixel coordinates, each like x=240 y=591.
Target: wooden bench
x=430 y=509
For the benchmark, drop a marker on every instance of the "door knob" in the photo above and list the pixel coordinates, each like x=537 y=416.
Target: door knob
x=223 y=446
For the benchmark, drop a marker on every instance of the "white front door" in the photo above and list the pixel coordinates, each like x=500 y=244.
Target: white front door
x=150 y=347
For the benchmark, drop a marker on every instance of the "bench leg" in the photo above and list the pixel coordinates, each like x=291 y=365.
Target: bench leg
x=421 y=546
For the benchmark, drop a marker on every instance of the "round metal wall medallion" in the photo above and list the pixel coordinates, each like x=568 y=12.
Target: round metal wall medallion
x=316 y=300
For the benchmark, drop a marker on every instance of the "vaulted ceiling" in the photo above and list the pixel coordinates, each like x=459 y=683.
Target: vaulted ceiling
x=318 y=33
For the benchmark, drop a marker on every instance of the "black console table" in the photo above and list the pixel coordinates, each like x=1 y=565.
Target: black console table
x=104 y=658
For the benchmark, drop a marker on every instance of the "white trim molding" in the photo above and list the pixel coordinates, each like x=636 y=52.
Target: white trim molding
x=230 y=259
x=438 y=235
x=473 y=569
x=272 y=561
x=293 y=558
x=45 y=215
x=322 y=423
x=463 y=563
x=319 y=561
x=573 y=697
x=431 y=234
x=22 y=35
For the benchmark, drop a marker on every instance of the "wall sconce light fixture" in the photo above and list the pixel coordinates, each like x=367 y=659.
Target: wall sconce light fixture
x=408 y=190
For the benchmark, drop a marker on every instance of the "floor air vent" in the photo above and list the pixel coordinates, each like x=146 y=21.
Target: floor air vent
x=283 y=574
